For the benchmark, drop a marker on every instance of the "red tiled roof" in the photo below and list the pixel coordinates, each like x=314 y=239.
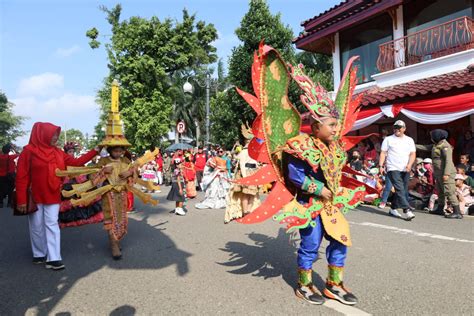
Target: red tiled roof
x=446 y=82
x=324 y=13
x=343 y=15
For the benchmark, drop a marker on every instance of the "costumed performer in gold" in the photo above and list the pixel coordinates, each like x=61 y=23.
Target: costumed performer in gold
x=112 y=178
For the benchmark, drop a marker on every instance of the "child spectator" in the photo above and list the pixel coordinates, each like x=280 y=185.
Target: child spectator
x=428 y=166
x=463 y=193
x=373 y=181
x=461 y=169
x=356 y=162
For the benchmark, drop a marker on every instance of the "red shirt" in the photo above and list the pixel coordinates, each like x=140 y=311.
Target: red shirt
x=200 y=161
x=35 y=172
x=7 y=164
x=159 y=163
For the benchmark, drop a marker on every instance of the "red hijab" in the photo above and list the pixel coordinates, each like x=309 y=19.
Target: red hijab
x=40 y=146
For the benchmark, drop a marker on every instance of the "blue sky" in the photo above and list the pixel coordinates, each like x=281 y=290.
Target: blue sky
x=50 y=73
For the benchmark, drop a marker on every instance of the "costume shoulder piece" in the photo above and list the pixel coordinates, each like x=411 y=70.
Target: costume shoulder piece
x=277 y=129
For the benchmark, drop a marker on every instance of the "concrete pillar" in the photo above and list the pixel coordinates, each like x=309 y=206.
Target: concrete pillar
x=398 y=32
x=336 y=62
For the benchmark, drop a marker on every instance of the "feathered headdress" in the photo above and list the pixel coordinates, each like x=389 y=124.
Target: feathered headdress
x=316 y=99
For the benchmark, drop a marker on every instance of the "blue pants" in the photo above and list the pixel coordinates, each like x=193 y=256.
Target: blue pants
x=399 y=181
x=310 y=242
x=387 y=189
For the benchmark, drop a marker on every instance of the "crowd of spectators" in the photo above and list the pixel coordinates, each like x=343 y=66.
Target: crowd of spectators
x=422 y=193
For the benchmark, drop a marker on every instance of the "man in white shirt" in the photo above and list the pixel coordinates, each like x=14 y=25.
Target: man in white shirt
x=396 y=159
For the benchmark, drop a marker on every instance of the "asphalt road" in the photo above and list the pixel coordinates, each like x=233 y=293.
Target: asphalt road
x=197 y=265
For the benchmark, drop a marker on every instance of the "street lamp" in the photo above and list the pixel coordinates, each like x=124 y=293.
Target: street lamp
x=188 y=88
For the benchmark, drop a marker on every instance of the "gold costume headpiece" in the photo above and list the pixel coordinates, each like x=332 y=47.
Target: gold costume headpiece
x=114 y=132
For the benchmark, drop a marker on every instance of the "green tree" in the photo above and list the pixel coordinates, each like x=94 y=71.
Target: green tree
x=146 y=55
x=10 y=124
x=258 y=24
x=71 y=135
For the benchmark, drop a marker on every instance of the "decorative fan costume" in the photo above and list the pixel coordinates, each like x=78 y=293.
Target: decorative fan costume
x=301 y=165
x=72 y=216
x=109 y=185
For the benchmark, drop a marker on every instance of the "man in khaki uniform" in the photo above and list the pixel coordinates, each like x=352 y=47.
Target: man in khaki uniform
x=444 y=172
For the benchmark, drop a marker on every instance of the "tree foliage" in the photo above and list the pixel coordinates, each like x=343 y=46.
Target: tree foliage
x=147 y=55
x=258 y=24
x=10 y=124
x=71 y=135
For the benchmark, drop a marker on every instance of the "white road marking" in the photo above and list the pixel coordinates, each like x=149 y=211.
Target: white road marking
x=344 y=309
x=405 y=231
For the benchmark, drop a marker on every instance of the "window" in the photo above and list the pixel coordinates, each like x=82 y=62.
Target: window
x=364 y=40
x=422 y=14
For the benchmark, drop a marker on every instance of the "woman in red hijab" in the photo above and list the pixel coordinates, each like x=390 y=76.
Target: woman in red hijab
x=36 y=169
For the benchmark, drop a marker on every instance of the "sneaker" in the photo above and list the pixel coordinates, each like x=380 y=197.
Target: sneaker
x=394 y=213
x=55 y=265
x=179 y=211
x=427 y=209
x=382 y=204
x=310 y=294
x=409 y=215
x=340 y=293
x=39 y=260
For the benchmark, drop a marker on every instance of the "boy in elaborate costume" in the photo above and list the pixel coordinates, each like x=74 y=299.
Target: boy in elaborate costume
x=309 y=186
x=112 y=178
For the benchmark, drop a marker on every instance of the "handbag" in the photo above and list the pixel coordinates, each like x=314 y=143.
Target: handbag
x=31 y=206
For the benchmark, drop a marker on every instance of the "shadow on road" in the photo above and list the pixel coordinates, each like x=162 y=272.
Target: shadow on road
x=25 y=286
x=125 y=310
x=270 y=257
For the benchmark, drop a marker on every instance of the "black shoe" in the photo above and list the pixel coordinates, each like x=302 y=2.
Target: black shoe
x=437 y=212
x=310 y=294
x=55 y=265
x=340 y=293
x=39 y=260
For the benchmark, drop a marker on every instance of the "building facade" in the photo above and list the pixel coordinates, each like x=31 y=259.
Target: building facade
x=416 y=60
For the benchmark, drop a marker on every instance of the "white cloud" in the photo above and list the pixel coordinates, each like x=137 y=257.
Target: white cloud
x=43 y=84
x=67 y=110
x=42 y=98
x=66 y=52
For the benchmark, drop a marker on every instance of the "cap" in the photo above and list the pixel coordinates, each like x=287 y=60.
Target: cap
x=427 y=160
x=459 y=177
x=399 y=123
x=419 y=160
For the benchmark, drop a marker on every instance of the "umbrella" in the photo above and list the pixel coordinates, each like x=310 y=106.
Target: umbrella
x=178 y=146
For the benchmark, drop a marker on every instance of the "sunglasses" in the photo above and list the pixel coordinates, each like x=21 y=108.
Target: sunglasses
x=398 y=127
